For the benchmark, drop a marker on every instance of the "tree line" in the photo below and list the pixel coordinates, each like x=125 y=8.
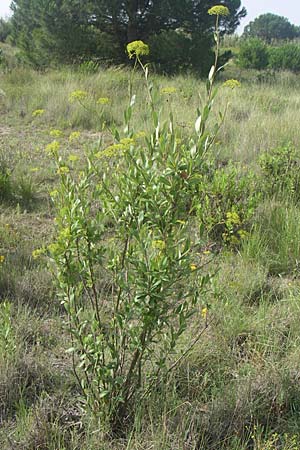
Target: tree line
x=179 y=32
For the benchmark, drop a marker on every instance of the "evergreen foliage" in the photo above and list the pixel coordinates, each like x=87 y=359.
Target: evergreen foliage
x=70 y=30
x=271 y=26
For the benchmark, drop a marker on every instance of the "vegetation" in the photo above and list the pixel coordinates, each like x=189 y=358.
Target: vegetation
x=173 y=230
x=69 y=31
x=5 y=29
x=253 y=54
x=271 y=27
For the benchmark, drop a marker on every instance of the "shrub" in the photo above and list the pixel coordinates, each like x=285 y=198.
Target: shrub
x=286 y=57
x=280 y=172
x=228 y=198
x=175 y=51
x=253 y=54
x=127 y=218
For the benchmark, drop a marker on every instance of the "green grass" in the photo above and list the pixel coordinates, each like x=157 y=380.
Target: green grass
x=239 y=387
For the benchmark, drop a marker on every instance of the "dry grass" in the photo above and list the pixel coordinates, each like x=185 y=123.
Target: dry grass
x=240 y=385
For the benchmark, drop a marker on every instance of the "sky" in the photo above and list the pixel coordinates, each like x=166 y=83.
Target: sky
x=286 y=8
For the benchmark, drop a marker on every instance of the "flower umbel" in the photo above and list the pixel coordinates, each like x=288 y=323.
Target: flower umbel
x=56 y=133
x=53 y=148
x=218 y=10
x=137 y=48
x=168 y=90
x=63 y=170
x=103 y=101
x=78 y=96
x=232 y=84
x=116 y=149
x=38 y=112
x=159 y=244
x=73 y=158
x=74 y=136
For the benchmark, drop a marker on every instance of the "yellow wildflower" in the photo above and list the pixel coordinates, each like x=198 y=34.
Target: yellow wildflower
x=168 y=90
x=38 y=252
x=38 y=112
x=56 y=133
x=233 y=218
x=53 y=147
x=53 y=248
x=204 y=312
x=159 y=244
x=54 y=193
x=63 y=170
x=65 y=233
x=193 y=267
x=73 y=158
x=127 y=142
x=243 y=234
x=139 y=135
x=137 y=48
x=232 y=84
x=74 y=136
x=2 y=258
x=34 y=169
x=78 y=96
x=103 y=101
x=116 y=149
x=218 y=10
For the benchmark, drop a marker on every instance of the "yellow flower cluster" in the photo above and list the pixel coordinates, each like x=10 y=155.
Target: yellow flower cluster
x=204 y=312
x=232 y=84
x=193 y=267
x=78 y=96
x=159 y=244
x=140 y=135
x=54 y=193
x=233 y=218
x=38 y=252
x=53 y=147
x=2 y=258
x=218 y=10
x=103 y=101
x=74 y=136
x=116 y=149
x=38 y=112
x=56 y=133
x=63 y=170
x=168 y=90
x=137 y=48
x=73 y=158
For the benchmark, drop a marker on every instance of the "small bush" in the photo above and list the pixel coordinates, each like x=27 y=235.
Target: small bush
x=286 y=57
x=280 y=170
x=253 y=54
x=174 y=51
x=227 y=202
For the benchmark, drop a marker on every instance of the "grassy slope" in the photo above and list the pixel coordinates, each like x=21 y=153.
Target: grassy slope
x=241 y=384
